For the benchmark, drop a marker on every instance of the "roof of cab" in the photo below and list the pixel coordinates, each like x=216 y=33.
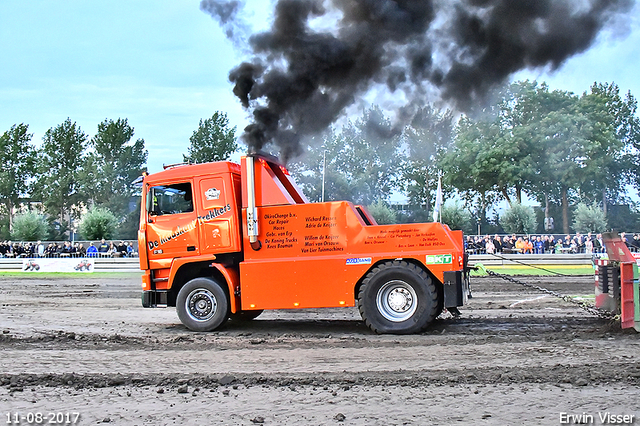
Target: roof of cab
x=181 y=172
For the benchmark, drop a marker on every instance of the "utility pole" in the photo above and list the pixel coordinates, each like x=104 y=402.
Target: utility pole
x=324 y=169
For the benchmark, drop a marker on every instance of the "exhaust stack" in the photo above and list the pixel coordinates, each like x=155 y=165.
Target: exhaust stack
x=252 y=213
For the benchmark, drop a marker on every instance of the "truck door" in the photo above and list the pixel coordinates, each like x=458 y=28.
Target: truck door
x=217 y=218
x=171 y=223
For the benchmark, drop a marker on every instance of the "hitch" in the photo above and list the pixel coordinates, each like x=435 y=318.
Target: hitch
x=617 y=287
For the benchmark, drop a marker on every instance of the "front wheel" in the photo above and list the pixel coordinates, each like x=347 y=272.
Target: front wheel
x=202 y=305
x=398 y=297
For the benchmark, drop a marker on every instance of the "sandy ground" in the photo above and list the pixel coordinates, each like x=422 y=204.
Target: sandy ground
x=84 y=350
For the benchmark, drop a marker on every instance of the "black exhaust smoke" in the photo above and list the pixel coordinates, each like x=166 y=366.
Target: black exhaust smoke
x=321 y=56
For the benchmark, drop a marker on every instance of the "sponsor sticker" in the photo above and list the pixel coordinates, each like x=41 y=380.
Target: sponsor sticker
x=212 y=194
x=439 y=259
x=58 y=265
x=359 y=261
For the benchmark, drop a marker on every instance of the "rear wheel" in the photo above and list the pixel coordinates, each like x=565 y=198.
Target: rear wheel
x=440 y=307
x=398 y=297
x=202 y=305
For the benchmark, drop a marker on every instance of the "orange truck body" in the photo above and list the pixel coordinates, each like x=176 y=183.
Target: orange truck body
x=250 y=229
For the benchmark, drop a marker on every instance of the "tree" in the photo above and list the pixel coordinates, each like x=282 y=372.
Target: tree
x=213 y=141
x=581 y=144
x=428 y=135
x=17 y=159
x=488 y=161
x=60 y=165
x=128 y=227
x=519 y=219
x=362 y=161
x=610 y=163
x=589 y=219
x=29 y=226
x=456 y=217
x=98 y=223
x=552 y=145
x=382 y=213
x=319 y=169
x=115 y=162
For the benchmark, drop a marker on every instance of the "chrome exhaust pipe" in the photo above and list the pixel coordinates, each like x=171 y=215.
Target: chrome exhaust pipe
x=252 y=212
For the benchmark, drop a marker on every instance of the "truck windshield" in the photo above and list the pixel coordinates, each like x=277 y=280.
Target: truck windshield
x=170 y=199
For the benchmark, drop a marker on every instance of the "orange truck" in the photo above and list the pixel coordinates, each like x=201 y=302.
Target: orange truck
x=226 y=241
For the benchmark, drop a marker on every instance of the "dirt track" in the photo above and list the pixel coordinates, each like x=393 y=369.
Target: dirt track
x=87 y=346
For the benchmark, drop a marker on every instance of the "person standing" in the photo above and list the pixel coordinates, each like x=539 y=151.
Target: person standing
x=103 y=248
x=40 y=249
x=588 y=246
x=92 y=251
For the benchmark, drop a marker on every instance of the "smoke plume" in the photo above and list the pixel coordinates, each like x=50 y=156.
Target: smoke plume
x=321 y=56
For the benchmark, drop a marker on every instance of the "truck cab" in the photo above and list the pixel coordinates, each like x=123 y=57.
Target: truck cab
x=225 y=240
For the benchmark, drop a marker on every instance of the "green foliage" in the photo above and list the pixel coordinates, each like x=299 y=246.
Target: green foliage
x=382 y=213
x=213 y=141
x=5 y=234
x=428 y=135
x=414 y=214
x=128 y=228
x=589 y=219
x=18 y=159
x=533 y=141
x=29 y=226
x=98 y=223
x=519 y=219
x=60 y=163
x=112 y=165
x=623 y=217
x=457 y=217
x=548 y=144
x=362 y=161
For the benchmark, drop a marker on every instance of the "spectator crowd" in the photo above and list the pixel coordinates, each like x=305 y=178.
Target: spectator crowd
x=543 y=244
x=67 y=249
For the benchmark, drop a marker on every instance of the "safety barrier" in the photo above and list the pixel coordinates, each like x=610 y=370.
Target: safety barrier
x=581 y=259
x=125 y=264
x=102 y=264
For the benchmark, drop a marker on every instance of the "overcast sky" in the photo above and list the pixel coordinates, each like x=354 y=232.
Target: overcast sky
x=163 y=65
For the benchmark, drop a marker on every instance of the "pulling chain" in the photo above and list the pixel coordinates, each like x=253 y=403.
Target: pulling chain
x=592 y=309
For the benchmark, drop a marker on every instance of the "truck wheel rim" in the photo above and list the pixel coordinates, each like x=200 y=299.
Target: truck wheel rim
x=201 y=304
x=396 y=301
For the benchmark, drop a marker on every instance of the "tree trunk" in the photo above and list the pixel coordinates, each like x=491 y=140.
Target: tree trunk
x=604 y=201
x=10 y=213
x=546 y=212
x=519 y=194
x=506 y=196
x=565 y=211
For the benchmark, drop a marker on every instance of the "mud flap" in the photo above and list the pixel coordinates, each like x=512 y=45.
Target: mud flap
x=456 y=288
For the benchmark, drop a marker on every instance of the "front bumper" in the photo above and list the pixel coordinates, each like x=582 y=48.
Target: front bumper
x=154 y=298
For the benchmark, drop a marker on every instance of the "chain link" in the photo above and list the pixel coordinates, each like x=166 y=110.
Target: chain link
x=592 y=309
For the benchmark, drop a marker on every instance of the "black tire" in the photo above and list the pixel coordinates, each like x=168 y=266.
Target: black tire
x=245 y=315
x=202 y=305
x=440 y=307
x=398 y=297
